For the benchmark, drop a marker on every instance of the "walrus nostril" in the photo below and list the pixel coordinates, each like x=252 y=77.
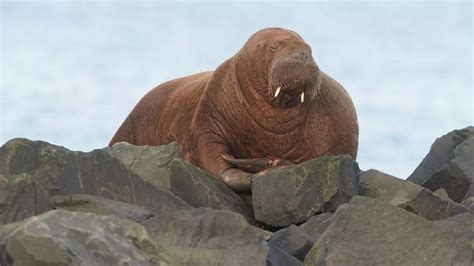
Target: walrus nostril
x=303 y=56
x=300 y=55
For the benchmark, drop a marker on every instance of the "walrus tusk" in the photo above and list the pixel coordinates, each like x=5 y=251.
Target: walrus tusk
x=277 y=92
x=302 y=97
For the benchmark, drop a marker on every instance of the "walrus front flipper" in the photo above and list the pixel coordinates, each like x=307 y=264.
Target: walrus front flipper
x=248 y=165
x=237 y=179
x=255 y=165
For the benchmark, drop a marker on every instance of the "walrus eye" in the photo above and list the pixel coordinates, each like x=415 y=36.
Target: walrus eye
x=273 y=48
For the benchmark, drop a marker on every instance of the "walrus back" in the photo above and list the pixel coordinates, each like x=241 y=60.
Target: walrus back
x=153 y=121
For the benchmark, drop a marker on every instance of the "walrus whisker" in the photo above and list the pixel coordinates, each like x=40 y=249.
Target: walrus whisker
x=302 y=97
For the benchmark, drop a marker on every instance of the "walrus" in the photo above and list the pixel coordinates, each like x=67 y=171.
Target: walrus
x=267 y=105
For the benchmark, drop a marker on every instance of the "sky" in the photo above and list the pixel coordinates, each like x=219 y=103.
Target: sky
x=71 y=71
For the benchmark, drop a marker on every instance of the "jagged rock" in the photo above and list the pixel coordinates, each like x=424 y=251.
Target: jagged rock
x=449 y=165
x=202 y=190
x=150 y=163
x=205 y=236
x=292 y=240
x=58 y=171
x=73 y=238
x=289 y=195
x=165 y=195
x=317 y=225
x=407 y=195
x=469 y=203
x=101 y=206
x=368 y=232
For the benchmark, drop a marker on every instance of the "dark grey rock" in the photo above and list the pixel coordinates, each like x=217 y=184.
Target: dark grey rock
x=317 y=225
x=407 y=195
x=279 y=257
x=290 y=195
x=101 y=206
x=368 y=232
x=449 y=165
x=202 y=190
x=150 y=163
x=292 y=240
x=22 y=198
x=58 y=171
x=73 y=238
x=205 y=236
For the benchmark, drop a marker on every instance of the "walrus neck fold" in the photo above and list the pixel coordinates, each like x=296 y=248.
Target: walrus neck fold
x=258 y=107
x=325 y=96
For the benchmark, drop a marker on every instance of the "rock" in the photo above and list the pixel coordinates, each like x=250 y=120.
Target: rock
x=465 y=219
x=368 y=232
x=21 y=199
x=441 y=193
x=202 y=190
x=101 y=206
x=204 y=236
x=290 y=195
x=469 y=203
x=73 y=238
x=58 y=171
x=150 y=163
x=317 y=225
x=142 y=205
x=432 y=207
x=292 y=240
x=449 y=165
x=404 y=194
x=278 y=257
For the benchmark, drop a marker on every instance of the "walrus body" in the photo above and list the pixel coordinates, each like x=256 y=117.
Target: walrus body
x=270 y=100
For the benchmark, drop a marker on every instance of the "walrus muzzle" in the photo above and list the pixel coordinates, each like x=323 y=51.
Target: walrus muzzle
x=293 y=77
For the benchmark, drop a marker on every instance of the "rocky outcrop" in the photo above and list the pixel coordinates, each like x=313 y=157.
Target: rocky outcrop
x=74 y=238
x=407 y=195
x=292 y=194
x=148 y=162
x=369 y=232
x=200 y=189
x=204 y=236
x=146 y=206
x=449 y=165
x=36 y=170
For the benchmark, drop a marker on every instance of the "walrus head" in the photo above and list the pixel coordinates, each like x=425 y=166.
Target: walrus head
x=278 y=65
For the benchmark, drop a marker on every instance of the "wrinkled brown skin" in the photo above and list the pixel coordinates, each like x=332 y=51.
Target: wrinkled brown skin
x=228 y=120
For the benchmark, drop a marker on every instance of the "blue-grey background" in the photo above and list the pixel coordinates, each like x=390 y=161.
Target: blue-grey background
x=72 y=71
